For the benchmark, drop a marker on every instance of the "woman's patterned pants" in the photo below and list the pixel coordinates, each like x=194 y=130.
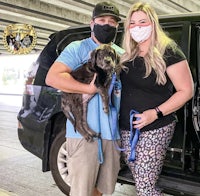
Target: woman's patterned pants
x=150 y=153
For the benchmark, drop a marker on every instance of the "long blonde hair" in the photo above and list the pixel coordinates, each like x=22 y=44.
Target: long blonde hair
x=159 y=41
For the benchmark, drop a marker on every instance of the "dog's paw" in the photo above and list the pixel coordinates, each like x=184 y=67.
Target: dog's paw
x=105 y=109
x=89 y=138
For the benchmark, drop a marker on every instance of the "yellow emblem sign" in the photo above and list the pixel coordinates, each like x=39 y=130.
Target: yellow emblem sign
x=19 y=38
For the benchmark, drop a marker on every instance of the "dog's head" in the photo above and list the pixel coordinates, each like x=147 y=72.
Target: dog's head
x=105 y=58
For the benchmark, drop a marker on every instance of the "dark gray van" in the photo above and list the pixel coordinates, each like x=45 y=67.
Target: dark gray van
x=41 y=127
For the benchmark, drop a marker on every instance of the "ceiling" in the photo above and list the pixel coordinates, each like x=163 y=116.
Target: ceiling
x=48 y=16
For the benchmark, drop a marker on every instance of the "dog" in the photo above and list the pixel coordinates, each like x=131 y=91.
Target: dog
x=104 y=61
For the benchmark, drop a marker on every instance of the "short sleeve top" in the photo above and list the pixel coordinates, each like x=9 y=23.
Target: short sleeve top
x=75 y=55
x=141 y=93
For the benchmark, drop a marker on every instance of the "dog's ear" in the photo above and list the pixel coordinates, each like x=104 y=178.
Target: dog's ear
x=92 y=61
x=93 y=57
x=117 y=58
x=118 y=66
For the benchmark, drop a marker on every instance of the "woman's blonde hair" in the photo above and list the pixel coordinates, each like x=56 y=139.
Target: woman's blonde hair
x=159 y=41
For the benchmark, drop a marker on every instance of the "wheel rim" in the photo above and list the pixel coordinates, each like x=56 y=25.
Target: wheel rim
x=62 y=163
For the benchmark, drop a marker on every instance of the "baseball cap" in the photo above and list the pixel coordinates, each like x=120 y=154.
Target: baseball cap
x=105 y=9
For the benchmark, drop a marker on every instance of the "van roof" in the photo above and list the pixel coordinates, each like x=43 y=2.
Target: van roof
x=195 y=16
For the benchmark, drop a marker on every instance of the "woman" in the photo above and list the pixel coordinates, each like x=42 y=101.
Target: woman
x=156 y=66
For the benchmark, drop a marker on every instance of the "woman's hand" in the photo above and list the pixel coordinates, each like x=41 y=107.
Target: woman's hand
x=145 y=118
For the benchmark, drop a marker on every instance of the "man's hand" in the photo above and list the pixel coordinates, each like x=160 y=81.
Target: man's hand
x=92 y=88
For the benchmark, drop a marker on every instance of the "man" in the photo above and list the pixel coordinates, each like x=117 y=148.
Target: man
x=87 y=175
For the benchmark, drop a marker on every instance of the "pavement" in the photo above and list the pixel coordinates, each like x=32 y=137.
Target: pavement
x=20 y=171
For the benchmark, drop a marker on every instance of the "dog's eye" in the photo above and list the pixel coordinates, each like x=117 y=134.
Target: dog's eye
x=110 y=53
x=113 y=56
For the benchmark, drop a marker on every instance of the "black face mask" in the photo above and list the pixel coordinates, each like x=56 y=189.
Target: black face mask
x=104 y=33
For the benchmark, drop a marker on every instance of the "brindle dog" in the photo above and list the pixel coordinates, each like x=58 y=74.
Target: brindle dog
x=104 y=61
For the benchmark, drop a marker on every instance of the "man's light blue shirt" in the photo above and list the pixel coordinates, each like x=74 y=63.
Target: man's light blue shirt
x=75 y=55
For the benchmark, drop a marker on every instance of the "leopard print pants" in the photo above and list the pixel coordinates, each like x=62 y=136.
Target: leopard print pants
x=150 y=153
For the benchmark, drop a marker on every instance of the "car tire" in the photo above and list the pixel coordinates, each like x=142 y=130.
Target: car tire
x=58 y=162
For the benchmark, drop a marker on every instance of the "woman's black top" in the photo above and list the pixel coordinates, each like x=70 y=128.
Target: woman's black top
x=141 y=93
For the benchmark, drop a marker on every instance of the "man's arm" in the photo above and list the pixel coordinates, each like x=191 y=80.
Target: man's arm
x=60 y=78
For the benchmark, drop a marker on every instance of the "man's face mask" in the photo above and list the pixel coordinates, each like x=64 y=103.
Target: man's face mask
x=141 y=33
x=104 y=33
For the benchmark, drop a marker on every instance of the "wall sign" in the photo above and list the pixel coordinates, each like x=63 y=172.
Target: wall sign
x=19 y=38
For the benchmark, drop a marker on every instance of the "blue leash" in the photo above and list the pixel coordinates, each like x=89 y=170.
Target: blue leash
x=100 y=151
x=111 y=86
x=113 y=116
x=113 y=127
x=99 y=140
x=134 y=135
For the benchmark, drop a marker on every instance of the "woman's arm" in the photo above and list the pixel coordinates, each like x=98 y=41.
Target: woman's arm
x=181 y=78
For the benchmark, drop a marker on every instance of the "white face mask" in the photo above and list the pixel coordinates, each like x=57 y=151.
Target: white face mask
x=141 y=33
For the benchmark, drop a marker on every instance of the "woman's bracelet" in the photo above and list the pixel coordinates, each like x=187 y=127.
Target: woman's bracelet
x=159 y=113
